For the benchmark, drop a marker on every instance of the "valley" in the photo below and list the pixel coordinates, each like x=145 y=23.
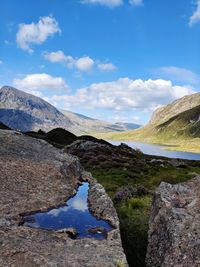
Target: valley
x=129 y=176
x=175 y=125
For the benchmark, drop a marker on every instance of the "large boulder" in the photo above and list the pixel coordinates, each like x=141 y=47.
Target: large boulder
x=174 y=234
x=36 y=176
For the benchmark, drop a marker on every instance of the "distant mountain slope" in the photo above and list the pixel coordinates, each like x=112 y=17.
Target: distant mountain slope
x=4 y=127
x=185 y=124
x=87 y=125
x=19 y=110
x=180 y=105
x=176 y=124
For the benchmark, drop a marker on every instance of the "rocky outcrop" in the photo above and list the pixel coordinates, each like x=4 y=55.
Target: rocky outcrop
x=35 y=176
x=174 y=234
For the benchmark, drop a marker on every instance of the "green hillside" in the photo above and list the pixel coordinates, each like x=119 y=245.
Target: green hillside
x=180 y=132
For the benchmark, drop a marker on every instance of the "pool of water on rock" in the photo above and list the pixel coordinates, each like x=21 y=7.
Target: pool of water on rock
x=75 y=214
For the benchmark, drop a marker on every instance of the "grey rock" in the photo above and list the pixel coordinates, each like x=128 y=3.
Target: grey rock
x=72 y=232
x=174 y=228
x=4 y=222
x=35 y=176
x=178 y=163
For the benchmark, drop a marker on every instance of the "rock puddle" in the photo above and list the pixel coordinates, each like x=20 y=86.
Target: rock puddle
x=74 y=218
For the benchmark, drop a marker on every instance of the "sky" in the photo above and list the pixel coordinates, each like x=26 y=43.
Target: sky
x=114 y=60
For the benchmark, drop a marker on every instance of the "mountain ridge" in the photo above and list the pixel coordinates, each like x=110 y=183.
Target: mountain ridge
x=22 y=111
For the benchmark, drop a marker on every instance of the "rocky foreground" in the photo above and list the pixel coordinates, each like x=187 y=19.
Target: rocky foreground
x=35 y=177
x=174 y=234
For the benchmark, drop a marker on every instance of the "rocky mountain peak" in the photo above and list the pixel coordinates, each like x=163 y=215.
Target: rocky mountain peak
x=20 y=110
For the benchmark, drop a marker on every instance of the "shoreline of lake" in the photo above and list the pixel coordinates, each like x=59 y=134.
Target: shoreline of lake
x=158 y=149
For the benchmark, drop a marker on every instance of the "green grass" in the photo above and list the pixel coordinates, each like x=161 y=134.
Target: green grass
x=134 y=217
x=134 y=213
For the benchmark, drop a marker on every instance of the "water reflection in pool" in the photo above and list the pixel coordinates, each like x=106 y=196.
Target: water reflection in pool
x=74 y=214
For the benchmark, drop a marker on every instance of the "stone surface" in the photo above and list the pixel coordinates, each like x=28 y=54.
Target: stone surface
x=35 y=177
x=174 y=234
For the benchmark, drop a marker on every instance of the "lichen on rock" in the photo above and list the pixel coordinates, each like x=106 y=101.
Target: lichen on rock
x=174 y=234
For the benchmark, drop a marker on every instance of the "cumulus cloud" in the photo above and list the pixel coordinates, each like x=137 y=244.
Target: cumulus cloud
x=56 y=212
x=108 y=3
x=196 y=15
x=136 y=2
x=84 y=63
x=107 y=66
x=180 y=74
x=81 y=64
x=59 y=57
x=55 y=57
x=124 y=94
x=35 y=83
x=79 y=204
x=36 y=33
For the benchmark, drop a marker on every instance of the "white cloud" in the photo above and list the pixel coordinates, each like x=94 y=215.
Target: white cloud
x=196 y=15
x=1 y=62
x=81 y=64
x=55 y=57
x=36 y=33
x=107 y=66
x=123 y=118
x=79 y=204
x=124 y=95
x=84 y=63
x=56 y=212
x=108 y=3
x=136 y=2
x=180 y=74
x=59 y=57
x=35 y=83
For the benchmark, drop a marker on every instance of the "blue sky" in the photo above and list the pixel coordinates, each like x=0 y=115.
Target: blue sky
x=115 y=60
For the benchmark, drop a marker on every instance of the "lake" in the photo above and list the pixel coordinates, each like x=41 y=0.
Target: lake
x=158 y=150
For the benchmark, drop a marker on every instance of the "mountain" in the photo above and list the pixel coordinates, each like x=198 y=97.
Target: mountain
x=186 y=125
x=4 y=127
x=180 y=105
x=87 y=125
x=19 y=110
x=23 y=111
x=176 y=124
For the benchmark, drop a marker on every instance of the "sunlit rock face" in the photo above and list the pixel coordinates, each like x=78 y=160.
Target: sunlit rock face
x=36 y=177
x=174 y=234
x=26 y=112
